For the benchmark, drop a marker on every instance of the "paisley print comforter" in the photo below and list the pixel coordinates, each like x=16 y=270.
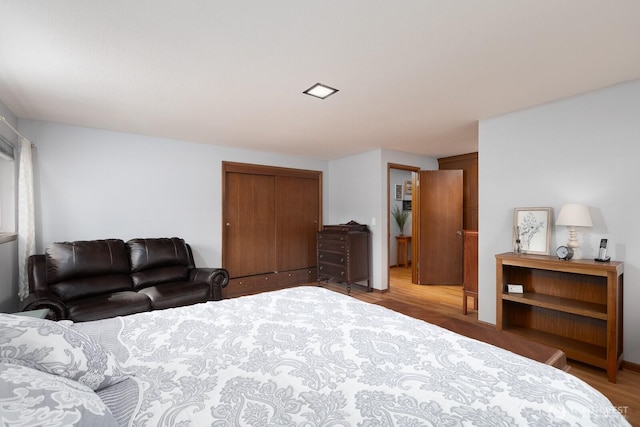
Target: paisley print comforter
x=312 y=357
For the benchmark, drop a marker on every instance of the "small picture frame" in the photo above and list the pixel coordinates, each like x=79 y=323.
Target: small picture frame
x=406 y=205
x=398 y=193
x=407 y=188
x=532 y=226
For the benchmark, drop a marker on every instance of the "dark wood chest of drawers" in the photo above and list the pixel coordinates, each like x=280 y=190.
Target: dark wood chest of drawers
x=344 y=254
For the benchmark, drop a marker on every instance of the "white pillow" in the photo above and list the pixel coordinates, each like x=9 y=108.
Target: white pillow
x=33 y=398
x=50 y=347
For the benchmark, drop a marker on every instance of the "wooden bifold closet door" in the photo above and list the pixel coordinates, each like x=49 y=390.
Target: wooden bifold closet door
x=250 y=224
x=271 y=216
x=297 y=219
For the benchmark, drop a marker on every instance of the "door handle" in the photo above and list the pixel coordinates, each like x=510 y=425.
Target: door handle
x=459 y=233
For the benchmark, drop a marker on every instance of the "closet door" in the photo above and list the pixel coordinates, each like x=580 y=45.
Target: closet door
x=297 y=218
x=250 y=226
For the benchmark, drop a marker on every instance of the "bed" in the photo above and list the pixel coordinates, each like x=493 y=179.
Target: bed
x=302 y=356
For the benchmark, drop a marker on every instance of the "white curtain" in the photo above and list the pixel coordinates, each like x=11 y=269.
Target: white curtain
x=26 y=227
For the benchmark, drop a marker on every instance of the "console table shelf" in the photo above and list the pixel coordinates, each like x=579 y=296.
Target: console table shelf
x=594 y=355
x=567 y=305
x=573 y=305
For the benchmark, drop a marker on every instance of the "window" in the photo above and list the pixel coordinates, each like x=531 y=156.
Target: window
x=8 y=188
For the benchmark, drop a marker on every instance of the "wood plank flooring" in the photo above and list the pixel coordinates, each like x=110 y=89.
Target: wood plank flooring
x=446 y=301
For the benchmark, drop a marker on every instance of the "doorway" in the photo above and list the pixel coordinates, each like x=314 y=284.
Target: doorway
x=424 y=241
x=400 y=181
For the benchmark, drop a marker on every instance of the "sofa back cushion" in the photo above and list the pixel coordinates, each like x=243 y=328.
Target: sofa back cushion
x=155 y=261
x=85 y=268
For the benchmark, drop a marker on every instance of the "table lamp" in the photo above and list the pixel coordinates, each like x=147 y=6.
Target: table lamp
x=574 y=215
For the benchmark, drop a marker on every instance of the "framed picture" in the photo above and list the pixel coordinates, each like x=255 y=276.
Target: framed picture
x=406 y=205
x=407 y=188
x=533 y=227
x=398 y=195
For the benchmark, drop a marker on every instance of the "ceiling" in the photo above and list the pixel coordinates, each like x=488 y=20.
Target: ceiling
x=413 y=76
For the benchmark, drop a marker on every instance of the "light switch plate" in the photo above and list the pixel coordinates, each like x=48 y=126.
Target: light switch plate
x=515 y=289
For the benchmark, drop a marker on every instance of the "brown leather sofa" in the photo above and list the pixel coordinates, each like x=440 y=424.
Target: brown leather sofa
x=96 y=279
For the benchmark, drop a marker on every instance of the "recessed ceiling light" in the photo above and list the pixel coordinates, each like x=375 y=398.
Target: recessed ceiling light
x=320 y=91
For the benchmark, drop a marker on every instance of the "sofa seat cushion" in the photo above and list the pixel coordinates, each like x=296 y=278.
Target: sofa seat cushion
x=108 y=305
x=176 y=273
x=176 y=294
x=69 y=290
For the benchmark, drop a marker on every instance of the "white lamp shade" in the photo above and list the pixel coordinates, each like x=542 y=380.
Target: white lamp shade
x=574 y=214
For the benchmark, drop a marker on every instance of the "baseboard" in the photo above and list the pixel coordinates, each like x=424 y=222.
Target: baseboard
x=635 y=367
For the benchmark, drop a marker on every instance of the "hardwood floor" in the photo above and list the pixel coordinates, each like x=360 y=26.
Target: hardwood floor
x=446 y=300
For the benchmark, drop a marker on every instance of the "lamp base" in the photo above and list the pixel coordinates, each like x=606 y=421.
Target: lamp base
x=573 y=243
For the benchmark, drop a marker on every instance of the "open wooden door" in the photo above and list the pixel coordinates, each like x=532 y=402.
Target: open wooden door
x=440 y=239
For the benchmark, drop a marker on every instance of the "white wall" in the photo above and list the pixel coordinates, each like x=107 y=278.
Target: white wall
x=582 y=149
x=353 y=195
x=93 y=184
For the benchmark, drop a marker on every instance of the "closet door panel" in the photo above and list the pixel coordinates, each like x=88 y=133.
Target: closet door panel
x=250 y=224
x=297 y=221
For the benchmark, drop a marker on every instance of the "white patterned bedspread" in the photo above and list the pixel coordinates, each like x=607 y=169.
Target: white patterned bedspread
x=308 y=356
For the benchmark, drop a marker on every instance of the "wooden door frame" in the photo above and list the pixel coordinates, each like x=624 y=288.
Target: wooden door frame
x=415 y=170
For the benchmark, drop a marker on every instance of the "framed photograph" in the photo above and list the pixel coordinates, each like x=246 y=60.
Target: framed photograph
x=533 y=227
x=406 y=205
x=407 y=188
x=398 y=195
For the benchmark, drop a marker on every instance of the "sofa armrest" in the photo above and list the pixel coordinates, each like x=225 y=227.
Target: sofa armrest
x=217 y=278
x=37 y=273
x=45 y=299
